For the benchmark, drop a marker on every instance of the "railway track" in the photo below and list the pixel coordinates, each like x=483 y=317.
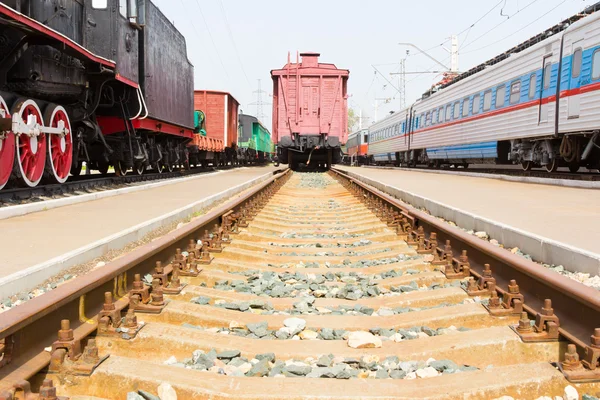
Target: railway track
x=90 y=183
x=311 y=286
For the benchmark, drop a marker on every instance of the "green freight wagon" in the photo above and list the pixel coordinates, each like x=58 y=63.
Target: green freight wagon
x=254 y=141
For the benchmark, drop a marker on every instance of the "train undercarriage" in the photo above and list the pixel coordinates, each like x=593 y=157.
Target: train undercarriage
x=572 y=151
x=309 y=151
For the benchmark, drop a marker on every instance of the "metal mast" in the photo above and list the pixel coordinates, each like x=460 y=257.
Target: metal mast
x=259 y=103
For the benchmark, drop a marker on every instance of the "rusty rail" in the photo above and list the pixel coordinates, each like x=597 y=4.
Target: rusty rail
x=26 y=330
x=576 y=305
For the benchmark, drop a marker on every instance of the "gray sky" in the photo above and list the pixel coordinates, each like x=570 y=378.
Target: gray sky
x=223 y=35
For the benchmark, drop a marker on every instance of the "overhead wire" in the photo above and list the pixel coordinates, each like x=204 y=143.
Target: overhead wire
x=212 y=40
x=517 y=31
x=192 y=23
x=497 y=25
x=237 y=53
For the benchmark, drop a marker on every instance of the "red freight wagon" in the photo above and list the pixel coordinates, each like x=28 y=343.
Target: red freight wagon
x=221 y=111
x=310 y=111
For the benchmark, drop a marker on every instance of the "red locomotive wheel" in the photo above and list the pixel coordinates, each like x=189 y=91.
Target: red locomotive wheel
x=7 y=150
x=30 y=150
x=60 y=149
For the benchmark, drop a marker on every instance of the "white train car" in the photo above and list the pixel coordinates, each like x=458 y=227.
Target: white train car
x=537 y=105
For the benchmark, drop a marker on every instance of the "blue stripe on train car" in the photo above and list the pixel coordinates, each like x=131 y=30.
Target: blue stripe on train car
x=464 y=151
x=383 y=157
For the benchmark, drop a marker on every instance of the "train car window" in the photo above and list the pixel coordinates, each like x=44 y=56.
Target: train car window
x=576 y=67
x=427 y=119
x=465 y=107
x=547 y=75
x=456 y=110
x=123 y=8
x=448 y=112
x=596 y=64
x=515 y=92
x=441 y=115
x=434 y=117
x=476 y=101
x=366 y=139
x=100 y=4
x=532 y=85
x=487 y=100
x=500 y=95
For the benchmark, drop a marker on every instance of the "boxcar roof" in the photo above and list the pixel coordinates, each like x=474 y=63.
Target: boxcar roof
x=217 y=92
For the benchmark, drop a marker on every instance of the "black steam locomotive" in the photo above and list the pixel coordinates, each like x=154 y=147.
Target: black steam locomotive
x=105 y=82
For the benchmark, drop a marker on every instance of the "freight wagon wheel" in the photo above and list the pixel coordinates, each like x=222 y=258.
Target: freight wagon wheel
x=7 y=149
x=120 y=168
x=30 y=158
x=552 y=166
x=60 y=147
x=526 y=165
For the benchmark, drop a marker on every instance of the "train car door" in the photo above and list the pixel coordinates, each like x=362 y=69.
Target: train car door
x=309 y=104
x=574 y=99
x=545 y=89
x=99 y=27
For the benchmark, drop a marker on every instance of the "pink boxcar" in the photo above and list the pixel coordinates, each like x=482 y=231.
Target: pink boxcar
x=310 y=112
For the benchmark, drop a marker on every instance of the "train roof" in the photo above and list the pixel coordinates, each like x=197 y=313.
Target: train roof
x=255 y=120
x=558 y=28
x=309 y=63
x=217 y=92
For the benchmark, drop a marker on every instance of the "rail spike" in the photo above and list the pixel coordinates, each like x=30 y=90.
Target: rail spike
x=512 y=302
x=485 y=285
x=586 y=370
x=22 y=390
x=67 y=356
x=140 y=298
x=545 y=328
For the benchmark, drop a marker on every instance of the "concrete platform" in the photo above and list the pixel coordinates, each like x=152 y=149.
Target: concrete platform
x=555 y=225
x=39 y=245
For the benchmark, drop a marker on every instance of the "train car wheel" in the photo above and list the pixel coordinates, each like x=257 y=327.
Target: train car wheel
x=60 y=147
x=526 y=165
x=140 y=168
x=103 y=167
x=552 y=166
x=30 y=160
x=7 y=149
x=158 y=167
x=573 y=167
x=169 y=167
x=120 y=168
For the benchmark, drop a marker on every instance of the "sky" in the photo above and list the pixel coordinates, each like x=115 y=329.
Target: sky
x=234 y=43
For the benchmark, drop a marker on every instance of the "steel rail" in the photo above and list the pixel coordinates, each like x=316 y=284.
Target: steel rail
x=576 y=305
x=88 y=182
x=32 y=326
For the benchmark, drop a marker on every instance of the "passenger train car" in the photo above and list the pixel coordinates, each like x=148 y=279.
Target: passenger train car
x=538 y=105
x=356 y=147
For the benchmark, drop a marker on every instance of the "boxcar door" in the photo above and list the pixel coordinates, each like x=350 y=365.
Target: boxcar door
x=545 y=88
x=99 y=27
x=574 y=98
x=309 y=104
